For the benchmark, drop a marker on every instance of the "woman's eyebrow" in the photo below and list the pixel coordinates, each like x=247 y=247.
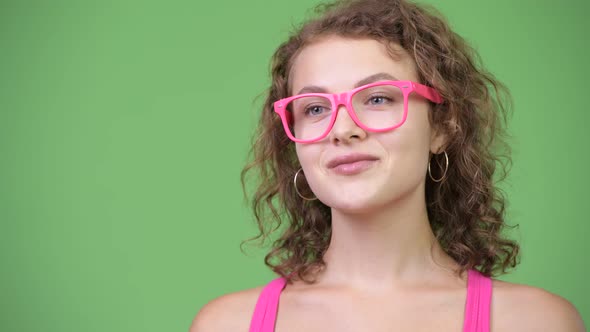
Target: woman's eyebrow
x=364 y=81
x=312 y=89
x=374 y=78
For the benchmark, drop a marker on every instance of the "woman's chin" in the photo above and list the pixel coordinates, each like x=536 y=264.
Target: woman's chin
x=351 y=205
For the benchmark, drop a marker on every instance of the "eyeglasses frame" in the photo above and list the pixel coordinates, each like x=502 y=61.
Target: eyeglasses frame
x=345 y=99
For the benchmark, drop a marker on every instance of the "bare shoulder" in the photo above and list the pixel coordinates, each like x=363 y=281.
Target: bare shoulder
x=518 y=307
x=229 y=312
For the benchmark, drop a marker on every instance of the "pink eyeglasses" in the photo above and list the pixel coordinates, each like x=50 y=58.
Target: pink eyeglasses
x=376 y=107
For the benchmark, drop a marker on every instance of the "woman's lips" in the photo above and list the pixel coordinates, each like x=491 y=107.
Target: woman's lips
x=352 y=163
x=353 y=167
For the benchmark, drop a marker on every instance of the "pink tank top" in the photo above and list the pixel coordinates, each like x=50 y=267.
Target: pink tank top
x=477 y=305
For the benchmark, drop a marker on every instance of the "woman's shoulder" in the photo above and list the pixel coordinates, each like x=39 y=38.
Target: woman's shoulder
x=228 y=312
x=519 y=307
x=514 y=307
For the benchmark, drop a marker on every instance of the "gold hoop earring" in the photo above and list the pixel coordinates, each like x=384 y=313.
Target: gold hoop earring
x=445 y=172
x=297 y=190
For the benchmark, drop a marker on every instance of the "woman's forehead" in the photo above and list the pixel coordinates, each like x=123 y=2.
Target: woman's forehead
x=341 y=62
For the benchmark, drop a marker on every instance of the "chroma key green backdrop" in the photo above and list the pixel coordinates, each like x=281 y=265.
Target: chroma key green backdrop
x=124 y=125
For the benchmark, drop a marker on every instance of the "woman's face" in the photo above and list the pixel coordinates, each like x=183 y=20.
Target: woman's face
x=398 y=158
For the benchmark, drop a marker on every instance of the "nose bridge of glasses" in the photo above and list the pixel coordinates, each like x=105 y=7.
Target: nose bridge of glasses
x=341 y=99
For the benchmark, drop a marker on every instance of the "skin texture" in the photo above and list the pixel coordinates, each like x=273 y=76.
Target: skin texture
x=385 y=269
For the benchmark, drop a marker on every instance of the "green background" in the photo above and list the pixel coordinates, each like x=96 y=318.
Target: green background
x=124 y=126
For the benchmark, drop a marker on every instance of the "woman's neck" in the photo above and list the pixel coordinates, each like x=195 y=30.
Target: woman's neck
x=389 y=247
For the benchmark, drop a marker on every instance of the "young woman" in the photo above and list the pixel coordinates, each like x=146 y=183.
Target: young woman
x=377 y=153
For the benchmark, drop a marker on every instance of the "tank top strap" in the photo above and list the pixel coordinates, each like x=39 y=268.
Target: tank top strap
x=265 y=312
x=477 y=305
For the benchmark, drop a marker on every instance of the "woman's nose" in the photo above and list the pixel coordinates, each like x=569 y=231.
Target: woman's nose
x=345 y=129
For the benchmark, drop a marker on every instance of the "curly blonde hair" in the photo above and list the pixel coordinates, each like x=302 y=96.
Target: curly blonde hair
x=466 y=210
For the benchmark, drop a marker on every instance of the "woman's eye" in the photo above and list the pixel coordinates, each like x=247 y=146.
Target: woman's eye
x=378 y=100
x=314 y=110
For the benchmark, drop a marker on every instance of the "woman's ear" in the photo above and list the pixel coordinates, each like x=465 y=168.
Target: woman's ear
x=438 y=140
x=441 y=135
